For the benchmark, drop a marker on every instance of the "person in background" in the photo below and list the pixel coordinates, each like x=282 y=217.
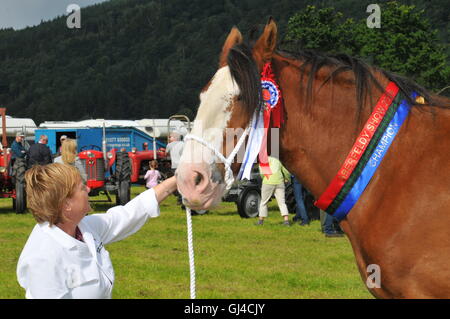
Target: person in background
x=39 y=152
x=174 y=150
x=330 y=226
x=274 y=185
x=17 y=147
x=153 y=175
x=300 y=209
x=61 y=140
x=65 y=254
x=69 y=156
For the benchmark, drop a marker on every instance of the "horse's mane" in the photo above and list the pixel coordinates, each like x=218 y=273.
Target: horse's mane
x=245 y=73
x=364 y=75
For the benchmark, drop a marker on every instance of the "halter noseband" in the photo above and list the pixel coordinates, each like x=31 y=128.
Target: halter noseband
x=229 y=178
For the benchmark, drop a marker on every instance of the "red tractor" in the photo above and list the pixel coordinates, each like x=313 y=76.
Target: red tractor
x=12 y=175
x=140 y=164
x=110 y=174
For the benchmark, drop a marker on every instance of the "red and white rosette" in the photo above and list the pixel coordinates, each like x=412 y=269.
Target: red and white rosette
x=272 y=102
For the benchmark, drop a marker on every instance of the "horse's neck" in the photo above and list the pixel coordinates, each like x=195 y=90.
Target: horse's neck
x=315 y=140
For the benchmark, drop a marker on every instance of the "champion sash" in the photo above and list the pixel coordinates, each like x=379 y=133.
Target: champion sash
x=359 y=147
x=366 y=156
x=374 y=161
x=368 y=163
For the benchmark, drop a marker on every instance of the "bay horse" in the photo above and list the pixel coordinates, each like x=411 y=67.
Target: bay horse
x=401 y=221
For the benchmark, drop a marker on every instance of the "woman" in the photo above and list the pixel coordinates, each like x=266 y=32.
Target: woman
x=64 y=256
x=69 y=156
x=274 y=184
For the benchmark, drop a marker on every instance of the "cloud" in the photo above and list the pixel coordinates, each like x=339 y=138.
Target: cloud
x=19 y=14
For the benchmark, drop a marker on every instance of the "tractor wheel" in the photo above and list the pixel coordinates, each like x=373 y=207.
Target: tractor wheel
x=20 y=166
x=290 y=197
x=123 y=167
x=20 y=201
x=123 y=193
x=248 y=202
x=123 y=176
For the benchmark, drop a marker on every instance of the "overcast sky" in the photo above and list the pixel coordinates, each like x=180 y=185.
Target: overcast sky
x=19 y=14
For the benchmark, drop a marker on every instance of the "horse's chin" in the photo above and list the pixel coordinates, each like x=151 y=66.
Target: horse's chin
x=206 y=201
x=209 y=204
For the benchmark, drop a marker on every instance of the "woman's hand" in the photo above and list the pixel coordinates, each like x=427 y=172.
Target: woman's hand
x=165 y=188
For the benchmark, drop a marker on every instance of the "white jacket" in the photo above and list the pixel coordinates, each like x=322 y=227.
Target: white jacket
x=53 y=264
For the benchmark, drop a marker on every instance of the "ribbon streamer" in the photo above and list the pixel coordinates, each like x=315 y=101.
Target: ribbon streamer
x=272 y=103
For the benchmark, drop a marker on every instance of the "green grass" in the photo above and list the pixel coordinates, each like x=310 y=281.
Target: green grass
x=233 y=257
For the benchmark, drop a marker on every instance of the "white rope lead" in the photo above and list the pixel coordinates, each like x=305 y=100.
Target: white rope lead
x=229 y=179
x=191 y=252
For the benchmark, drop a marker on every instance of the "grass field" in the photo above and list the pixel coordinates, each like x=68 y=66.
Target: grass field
x=233 y=257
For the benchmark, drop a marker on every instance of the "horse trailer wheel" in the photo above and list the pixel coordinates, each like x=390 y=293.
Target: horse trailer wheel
x=248 y=202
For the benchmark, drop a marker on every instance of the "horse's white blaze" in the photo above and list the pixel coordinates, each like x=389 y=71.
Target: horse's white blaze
x=212 y=118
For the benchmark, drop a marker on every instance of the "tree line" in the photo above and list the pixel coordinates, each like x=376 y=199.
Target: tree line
x=135 y=59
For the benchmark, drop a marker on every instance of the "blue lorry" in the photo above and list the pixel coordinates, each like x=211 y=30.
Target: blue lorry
x=92 y=138
x=114 y=157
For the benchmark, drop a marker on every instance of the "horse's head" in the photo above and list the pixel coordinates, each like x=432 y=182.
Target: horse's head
x=227 y=104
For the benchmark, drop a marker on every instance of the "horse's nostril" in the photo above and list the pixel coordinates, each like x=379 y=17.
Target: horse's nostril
x=198 y=179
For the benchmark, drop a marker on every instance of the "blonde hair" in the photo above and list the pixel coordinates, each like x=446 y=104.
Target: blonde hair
x=47 y=187
x=69 y=151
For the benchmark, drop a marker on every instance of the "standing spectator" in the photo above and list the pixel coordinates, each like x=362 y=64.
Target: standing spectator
x=39 y=153
x=61 y=140
x=174 y=150
x=274 y=185
x=300 y=209
x=153 y=175
x=69 y=157
x=17 y=147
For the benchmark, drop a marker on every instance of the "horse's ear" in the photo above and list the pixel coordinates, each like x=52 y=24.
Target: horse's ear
x=266 y=44
x=235 y=37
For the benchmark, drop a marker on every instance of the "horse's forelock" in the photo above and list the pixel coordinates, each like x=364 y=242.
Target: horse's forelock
x=244 y=72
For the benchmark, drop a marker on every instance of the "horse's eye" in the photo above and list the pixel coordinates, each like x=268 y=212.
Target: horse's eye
x=239 y=97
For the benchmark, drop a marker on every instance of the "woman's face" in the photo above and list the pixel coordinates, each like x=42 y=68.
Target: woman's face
x=79 y=202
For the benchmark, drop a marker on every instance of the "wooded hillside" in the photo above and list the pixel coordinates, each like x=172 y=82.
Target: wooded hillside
x=138 y=58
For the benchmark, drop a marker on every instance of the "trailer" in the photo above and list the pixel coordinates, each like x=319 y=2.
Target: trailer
x=127 y=138
x=114 y=157
x=247 y=196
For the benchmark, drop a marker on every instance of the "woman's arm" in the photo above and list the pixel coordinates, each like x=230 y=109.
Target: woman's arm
x=165 y=188
x=120 y=222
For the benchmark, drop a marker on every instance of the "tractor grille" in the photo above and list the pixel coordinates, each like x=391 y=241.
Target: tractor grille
x=95 y=169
